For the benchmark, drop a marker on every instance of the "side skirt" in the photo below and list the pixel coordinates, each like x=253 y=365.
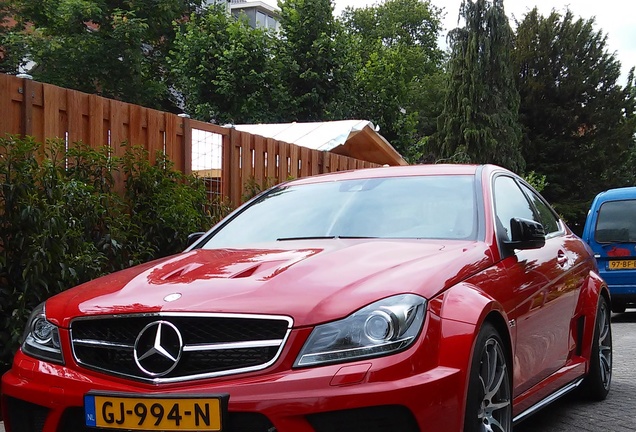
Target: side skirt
x=548 y=400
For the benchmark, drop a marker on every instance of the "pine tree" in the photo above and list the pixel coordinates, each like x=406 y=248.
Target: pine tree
x=579 y=124
x=479 y=123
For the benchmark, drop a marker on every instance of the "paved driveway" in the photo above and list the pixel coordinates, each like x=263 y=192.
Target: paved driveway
x=616 y=414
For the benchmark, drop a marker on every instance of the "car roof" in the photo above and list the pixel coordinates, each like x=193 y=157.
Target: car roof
x=617 y=194
x=393 y=171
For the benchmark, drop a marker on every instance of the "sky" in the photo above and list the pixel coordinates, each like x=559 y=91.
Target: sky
x=615 y=18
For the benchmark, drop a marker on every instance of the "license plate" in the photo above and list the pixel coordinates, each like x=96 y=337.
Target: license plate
x=149 y=412
x=622 y=265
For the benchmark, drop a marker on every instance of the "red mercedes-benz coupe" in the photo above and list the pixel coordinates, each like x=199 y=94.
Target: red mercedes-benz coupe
x=421 y=298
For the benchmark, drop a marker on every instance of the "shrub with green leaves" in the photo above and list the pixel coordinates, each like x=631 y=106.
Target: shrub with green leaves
x=63 y=223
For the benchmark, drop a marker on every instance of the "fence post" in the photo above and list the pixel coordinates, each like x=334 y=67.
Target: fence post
x=187 y=143
x=27 y=105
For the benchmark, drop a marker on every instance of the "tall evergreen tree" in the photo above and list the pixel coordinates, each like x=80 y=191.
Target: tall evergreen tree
x=480 y=118
x=579 y=124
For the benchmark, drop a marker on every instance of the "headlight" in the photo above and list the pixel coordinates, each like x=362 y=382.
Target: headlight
x=41 y=339
x=383 y=327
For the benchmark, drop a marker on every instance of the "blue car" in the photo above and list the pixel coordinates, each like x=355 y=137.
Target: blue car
x=610 y=230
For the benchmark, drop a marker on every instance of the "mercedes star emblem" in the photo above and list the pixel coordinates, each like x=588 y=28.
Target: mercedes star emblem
x=158 y=348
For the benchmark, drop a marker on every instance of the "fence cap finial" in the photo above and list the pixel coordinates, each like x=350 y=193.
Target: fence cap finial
x=184 y=115
x=24 y=75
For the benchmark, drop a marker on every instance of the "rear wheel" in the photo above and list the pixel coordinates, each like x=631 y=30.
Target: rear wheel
x=618 y=308
x=489 y=407
x=596 y=385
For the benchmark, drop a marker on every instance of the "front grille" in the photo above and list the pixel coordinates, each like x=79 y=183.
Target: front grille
x=370 y=419
x=188 y=346
x=25 y=416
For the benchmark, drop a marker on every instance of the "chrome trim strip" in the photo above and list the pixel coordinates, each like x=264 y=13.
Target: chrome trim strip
x=289 y=320
x=94 y=342
x=548 y=400
x=233 y=345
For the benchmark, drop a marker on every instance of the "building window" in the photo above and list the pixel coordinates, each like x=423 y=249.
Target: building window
x=261 y=19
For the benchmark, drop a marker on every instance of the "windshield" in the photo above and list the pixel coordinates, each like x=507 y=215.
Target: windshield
x=432 y=207
x=616 y=222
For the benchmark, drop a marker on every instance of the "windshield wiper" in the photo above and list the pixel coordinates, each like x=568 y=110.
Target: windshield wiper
x=306 y=238
x=323 y=238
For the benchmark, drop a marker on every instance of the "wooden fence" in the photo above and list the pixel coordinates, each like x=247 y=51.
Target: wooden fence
x=45 y=111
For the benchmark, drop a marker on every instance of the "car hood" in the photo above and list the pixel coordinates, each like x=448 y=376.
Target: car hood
x=310 y=281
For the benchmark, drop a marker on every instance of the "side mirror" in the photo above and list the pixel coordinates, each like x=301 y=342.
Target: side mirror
x=526 y=234
x=192 y=238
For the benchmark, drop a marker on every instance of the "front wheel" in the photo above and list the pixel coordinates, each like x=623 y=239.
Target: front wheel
x=596 y=385
x=489 y=403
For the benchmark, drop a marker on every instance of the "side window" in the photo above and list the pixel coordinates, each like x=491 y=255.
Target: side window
x=548 y=219
x=510 y=202
x=616 y=222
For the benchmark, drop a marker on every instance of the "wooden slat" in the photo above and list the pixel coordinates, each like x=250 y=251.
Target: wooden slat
x=226 y=166
x=247 y=171
x=294 y=155
x=96 y=130
x=272 y=166
x=283 y=163
x=51 y=98
x=315 y=162
x=236 y=186
x=155 y=134
x=187 y=145
x=6 y=106
x=174 y=141
x=260 y=148
x=305 y=157
x=75 y=122
x=117 y=119
x=137 y=131
x=29 y=89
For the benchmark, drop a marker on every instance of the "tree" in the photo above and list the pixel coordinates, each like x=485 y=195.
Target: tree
x=480 y=118
x=312 y=61
x=112 y=48
x=399 y=69
x=224 y=69
x=579 y=124
x=11 y=50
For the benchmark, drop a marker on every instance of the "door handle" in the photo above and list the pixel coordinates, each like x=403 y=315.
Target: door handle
x=562 y=258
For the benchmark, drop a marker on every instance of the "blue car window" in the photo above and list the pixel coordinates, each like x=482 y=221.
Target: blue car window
x=616 y=222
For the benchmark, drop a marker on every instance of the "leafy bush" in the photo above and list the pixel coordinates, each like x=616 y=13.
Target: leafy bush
x=166 y=204
x=63 y=222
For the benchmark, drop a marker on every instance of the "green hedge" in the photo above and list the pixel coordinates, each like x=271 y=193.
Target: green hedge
x=63 y=223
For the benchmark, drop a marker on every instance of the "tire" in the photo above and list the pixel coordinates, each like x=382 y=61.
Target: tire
x=618 y=308
x=596 y=385
x=489 y=401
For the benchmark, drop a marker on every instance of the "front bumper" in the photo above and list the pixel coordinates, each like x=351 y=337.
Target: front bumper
x=378 y=394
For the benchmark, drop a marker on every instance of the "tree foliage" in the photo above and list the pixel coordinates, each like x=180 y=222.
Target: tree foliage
x=312 y=61
x=398 y=69
x=112 y=48
x=578 y=122
x=224 y=69
x=480 y=118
